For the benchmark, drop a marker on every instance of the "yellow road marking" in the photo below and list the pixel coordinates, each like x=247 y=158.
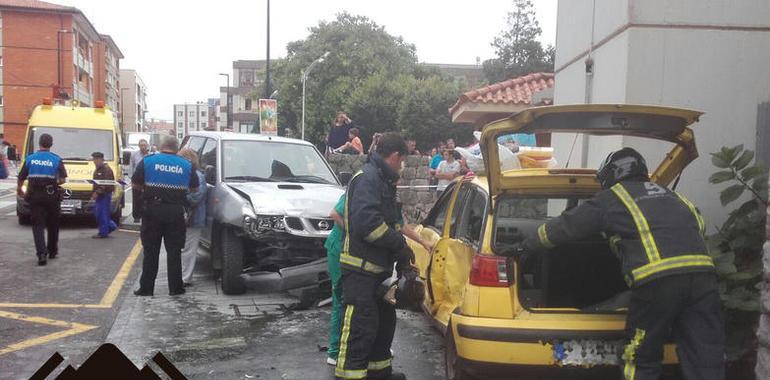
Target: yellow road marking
x=117 y=283
x=109 y=297
x=72 y=329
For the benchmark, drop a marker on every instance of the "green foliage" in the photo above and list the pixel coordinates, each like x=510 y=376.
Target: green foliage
x=370 y=74
x=737 y=247
x=517 y=48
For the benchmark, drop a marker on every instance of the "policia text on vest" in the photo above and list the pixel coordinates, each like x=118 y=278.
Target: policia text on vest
x=45 y=172
x=165 y=179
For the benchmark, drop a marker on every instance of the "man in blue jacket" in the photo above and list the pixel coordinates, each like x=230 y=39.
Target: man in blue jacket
x=166 y=179
x=46 y=172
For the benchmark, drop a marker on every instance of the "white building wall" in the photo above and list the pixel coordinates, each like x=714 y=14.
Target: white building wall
x=702 y=55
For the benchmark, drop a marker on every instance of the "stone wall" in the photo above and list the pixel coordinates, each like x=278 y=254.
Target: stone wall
x=763 y=333
x=415 y=198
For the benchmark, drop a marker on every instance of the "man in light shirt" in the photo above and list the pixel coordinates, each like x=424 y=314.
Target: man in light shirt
x=136 y=194
x=447 y=170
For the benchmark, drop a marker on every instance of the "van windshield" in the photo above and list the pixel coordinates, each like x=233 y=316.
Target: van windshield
x=75 y=144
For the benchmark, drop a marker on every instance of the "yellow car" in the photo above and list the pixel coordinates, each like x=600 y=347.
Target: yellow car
x=563 y=309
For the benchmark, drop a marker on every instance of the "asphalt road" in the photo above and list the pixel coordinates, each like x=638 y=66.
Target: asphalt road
x=82 y=300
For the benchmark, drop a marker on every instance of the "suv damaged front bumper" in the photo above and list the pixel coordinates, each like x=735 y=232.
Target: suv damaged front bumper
x=277 y=261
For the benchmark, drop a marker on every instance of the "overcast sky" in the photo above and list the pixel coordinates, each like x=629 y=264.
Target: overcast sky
x=178 y=47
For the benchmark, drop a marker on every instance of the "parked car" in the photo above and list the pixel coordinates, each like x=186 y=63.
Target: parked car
x=268 y=208
x=564 y=308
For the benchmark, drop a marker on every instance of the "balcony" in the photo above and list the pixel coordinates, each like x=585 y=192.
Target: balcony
x=83 y=63
x=82 y=95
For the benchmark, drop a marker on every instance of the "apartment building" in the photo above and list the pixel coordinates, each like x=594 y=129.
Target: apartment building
x=133 y=93
x=107 y=58
x=49 y=51
x=191 y=117
x=243 y=115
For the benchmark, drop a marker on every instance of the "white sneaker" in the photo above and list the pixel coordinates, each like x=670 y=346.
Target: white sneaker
x=331 y=361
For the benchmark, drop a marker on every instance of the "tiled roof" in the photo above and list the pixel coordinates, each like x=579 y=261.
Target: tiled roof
x=35 y=4
x=513 y=91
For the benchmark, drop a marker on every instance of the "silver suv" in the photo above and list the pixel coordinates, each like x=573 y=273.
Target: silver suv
x=268 y=205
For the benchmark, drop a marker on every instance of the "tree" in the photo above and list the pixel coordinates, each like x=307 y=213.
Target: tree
x=517 y=48
x=368 y=73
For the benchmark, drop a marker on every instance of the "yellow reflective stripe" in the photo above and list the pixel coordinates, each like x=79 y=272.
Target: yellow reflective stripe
x=350 y=373
x=641 y=223
x=542 y=234
x=629 y=355
x=347 y=258
x=698 y=217
x=671 y=263
x=377 y=233
x=346 y=243
x=344 y=344
x=376 y=366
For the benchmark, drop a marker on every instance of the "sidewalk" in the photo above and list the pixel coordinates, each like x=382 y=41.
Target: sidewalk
x=7 y=186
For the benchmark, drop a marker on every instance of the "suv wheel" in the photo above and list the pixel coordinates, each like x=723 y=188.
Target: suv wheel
x=232 y=262
x=452 y=368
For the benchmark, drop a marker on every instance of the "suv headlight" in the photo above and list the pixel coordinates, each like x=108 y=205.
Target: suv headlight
x=263 y=223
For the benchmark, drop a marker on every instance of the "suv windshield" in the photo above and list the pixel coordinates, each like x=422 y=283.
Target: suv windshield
x=273 y=161
x=75 y=144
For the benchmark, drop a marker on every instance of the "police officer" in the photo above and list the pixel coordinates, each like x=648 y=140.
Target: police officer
x=45 y=171
x=372 y=245
x=165 y=179
x=658 y=236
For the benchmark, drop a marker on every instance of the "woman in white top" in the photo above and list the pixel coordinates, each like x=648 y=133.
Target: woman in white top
x=447 y=170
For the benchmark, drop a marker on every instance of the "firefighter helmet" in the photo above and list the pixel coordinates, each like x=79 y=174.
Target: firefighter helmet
x=621 y=165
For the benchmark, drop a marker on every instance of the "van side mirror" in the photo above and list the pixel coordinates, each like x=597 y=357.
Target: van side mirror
x=211 y=174
x=345 y=178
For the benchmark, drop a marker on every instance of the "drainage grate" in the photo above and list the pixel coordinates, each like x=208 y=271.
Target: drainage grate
x=259 y=310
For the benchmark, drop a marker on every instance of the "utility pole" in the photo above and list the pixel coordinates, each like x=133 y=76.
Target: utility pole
x=268 y=87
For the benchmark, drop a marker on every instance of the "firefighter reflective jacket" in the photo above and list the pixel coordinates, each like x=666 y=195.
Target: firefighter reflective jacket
x=654 y=231
x=372 y=237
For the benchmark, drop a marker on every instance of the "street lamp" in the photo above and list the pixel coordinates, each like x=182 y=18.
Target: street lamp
x=304 y=78
x=228 y=99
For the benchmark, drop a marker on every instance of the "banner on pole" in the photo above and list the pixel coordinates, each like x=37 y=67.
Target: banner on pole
x=268 y=117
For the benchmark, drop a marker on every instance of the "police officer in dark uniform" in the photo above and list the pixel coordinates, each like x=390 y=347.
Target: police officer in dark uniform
x=372 y=245
x=45 y=171
x=658 y=236
x=165 y=179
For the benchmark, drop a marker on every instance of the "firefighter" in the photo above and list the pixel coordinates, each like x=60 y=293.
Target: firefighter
x=45 y=171
x=165 y=180
x=372 y=245
x=658 y=236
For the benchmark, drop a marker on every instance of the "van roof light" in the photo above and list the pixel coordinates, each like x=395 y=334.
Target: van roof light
x=99 y=104
x=47 y=101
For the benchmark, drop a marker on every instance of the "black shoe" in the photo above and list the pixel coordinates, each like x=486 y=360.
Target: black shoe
x=142 y=293
x=396 y=376
x=137 y=220
x=41 y=260
x=52 y=255
x=187 y=284
x=177 y=293
x=97 y=236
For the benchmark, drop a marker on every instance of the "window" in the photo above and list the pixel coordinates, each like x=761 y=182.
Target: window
x=192 y=113
x=437 y=215
x=195 y=143
x=203 y=113
x=203 y=125
x=472 y=219
x=460 y=205
x=180 y=125
x=209 y=154
x=192 y=125
x=1 y=101
x=248 y=104
x=180 y=113
x=1 y=60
